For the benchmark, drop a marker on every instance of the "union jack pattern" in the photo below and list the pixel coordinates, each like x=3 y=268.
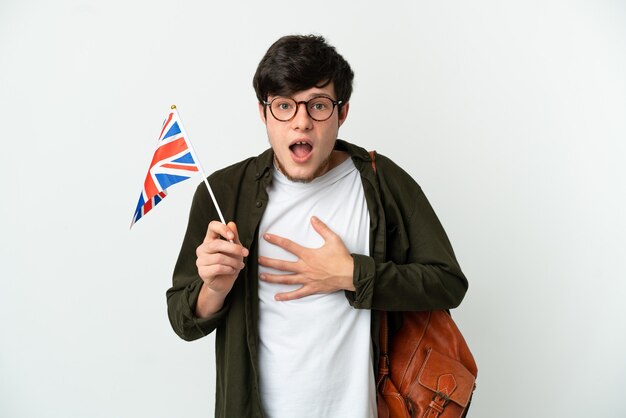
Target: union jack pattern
x=172 y=163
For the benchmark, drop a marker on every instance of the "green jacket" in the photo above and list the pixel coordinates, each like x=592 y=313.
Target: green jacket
x=412 y=266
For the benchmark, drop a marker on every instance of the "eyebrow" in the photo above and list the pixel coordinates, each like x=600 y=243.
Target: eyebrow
x=311 y=97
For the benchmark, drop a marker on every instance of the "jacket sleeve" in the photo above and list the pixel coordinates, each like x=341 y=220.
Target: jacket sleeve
x=419 y=270
x=183 y=295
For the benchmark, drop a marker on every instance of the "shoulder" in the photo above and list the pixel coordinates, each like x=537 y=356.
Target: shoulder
x=390 y=172
x=385 y=166
x=391 y=177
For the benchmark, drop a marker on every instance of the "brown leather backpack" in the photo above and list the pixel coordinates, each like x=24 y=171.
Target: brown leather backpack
x=428 y=372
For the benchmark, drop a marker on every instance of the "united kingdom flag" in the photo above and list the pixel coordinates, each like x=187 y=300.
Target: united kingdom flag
x=172 y=163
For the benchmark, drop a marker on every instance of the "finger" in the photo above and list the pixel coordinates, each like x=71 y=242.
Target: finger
x=283 y=278
x=281 y=265
x=233 y=227
x=217 y=270
x=221 y=246
x=217 y=230
x=322 y=229
x=284 y=243
x=221 y=260
x=293 y=295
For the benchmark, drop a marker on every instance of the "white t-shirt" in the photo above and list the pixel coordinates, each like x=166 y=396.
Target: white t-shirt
x=315 y=353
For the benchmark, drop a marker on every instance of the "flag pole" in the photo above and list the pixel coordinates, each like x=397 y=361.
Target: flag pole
x=197 y=160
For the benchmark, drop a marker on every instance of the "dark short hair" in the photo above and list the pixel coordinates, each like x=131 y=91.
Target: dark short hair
x=298 y=62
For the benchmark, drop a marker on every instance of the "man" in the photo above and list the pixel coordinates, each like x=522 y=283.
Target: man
x=317 y=243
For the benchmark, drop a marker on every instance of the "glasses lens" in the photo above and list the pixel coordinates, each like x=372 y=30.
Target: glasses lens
x=320 y=108
x=283 y=108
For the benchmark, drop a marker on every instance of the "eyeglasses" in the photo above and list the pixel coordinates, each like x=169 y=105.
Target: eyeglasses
x=319 y=108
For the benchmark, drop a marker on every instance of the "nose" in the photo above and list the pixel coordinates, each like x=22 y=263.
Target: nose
x=301 y=119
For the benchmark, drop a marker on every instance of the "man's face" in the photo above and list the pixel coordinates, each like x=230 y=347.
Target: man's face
x=303 y=146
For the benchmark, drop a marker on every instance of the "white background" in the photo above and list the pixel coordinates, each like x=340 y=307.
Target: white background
x=510 y=114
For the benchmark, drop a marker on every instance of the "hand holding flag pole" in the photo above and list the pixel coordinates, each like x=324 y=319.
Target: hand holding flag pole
x=174 y=160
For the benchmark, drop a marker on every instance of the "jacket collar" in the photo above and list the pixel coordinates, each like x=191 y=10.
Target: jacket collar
x=357 y=153
x=264 y=163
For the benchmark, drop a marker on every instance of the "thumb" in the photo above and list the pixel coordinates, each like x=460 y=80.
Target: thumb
x=233 y=227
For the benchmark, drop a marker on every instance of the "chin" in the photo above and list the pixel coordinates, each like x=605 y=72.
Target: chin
x=298 y=178
x=303 y=177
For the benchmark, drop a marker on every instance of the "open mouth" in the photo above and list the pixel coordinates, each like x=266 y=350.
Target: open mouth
x=301 y=149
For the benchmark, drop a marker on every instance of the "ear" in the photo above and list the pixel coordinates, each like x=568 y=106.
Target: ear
x=343 y=114
x=262 y=113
